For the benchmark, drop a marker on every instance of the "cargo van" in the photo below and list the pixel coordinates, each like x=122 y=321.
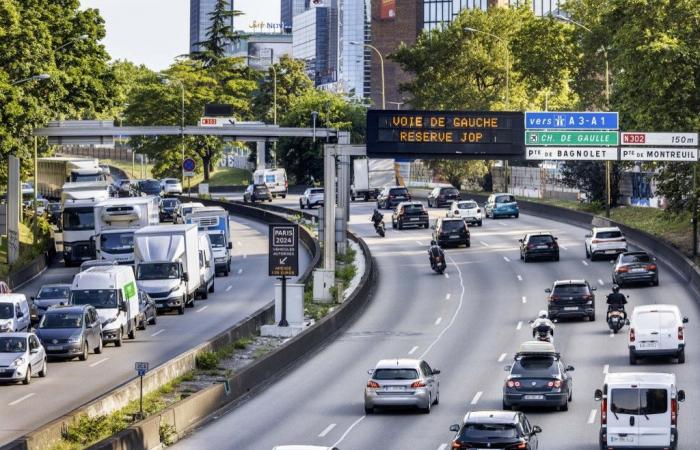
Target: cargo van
x=14 y=313
x=206 y=266
x=214 y=220
x=275 y=179
x=657 y=331
x=112 y=291
x=639 y=410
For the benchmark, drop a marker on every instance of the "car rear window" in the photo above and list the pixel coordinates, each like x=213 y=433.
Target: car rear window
x=478 y=431
x=467 y=205
x=537 y=240
x=638 y=401
x=395 y=374
x=171 y=182
x=316 y=191
x=413 y=208
x=452 y=225
x=261 y=188
x=450 y=191
x=535 y=366
x=608 y=234
x=571 y=289
x=638 y=258
x=398 y=191
x=505 y=199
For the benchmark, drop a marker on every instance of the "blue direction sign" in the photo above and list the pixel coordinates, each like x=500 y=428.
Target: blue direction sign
x=571 y=120
x=188 y=164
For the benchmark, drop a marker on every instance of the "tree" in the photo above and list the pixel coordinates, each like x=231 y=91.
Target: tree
x=459 y=171
x=292 y=81
x=220 y=34
x=589 y=178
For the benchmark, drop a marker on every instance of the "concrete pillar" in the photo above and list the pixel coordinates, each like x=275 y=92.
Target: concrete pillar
x=260 y=155
x=329 y=209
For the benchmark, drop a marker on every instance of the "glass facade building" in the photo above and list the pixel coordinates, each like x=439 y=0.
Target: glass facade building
x=291 y=8
x=200 y=11
x=437 y=13
x=314 y=41
x=354 y=64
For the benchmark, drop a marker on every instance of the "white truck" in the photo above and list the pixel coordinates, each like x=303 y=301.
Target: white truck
x=116 y=220
x=53 y=172
x=214 y=220
x=166 y=259
x=77 y=224
x=370 y=176
x=275 y=179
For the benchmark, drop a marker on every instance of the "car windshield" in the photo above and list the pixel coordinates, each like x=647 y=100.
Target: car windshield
x=399 y=191
x=117 y=242
x=395 y=374
x=217 y=240
x=53 y=292
x=158 y=271
x=171 y=182
x=636 y=258
x=608 y=234
x=450 y=191
x=169 y=203
x=12 y=344
x=449 y=226
x=61 y=320
x=477 y=431
x=535 y=366
x=261 y=188
x=571 y=289
x=539 y=240
x=150 y=185
x=75 y=219
x=54 y=206
x=7 y=311
x=639 y=401
x=467 y=205
x=99 y=298
x=413 y=208
x=83 y=178
x=505 y=199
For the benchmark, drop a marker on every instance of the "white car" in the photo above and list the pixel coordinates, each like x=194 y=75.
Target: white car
x=605 y=241
x=402 y=382
x=657 y=330
x=311 y=197
x=21 y=355
x=171 y=186
x=468 y=210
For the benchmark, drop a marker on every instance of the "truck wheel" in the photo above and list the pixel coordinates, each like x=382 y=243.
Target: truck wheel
x=118 y=342
x=352 y=197
x=132 y=333
x=211 y=289
x=205 y=292
x=301 y=204
x=189 y=301
x=181 y=310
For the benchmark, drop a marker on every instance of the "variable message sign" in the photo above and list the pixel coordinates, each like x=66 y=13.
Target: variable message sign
x=283 y=253
x=571 y=120
x=572 y=138
x=572 y=153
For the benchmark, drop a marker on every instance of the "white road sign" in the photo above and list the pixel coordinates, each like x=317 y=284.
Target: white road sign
x=658 y=154
x=659 y=139
x=217 y=121
x=572 y=153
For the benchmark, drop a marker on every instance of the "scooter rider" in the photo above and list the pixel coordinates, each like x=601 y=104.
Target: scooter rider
x=377 y=217
x=617 y=301
x=434 y=251
x=541 y=323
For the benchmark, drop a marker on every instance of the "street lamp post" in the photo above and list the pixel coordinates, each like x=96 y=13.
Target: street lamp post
x=274 y=99
x=381 y=66
x=82 y=37
x=182 y=118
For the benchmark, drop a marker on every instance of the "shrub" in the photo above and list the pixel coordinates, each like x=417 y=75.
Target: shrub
x=207 y=361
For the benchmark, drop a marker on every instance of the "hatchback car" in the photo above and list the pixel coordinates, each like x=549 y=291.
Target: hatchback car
x=257 y=193
x=150 y=187
x=635 y=267
x=410 y=214
x=147 y=311
x=607 y=241
x=657 y=331
x=451 y=231
x=392 y=196
x=501 y=205
x=171 y=186
x=467 y=210
x=495 y=429
x=125 y=188
x=539 y=246
x=311 y=197
x=167 y=209
x=571 y=299
x=442 y=196
x=70 y=331
x=21 y=355
x=538 y=377
x=402 y=382
x=48 y=295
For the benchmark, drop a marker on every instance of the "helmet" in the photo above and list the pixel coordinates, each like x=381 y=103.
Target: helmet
x=616 y=288
x=376 y=211
x=433 y=242
x=542 y=314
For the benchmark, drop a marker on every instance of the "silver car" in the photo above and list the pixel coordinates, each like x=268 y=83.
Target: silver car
x=21 y=355
x=402 y=382
x=310 y=198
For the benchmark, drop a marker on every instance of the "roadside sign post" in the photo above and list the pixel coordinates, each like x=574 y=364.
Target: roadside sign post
x=188 y=166
x=283 y=258
x=141 y=369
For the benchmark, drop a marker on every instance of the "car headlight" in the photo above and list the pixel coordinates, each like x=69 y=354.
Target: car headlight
x=67 y=248
x=18 y=362
x=108 y=321
x=74 y=340
x=5 y=326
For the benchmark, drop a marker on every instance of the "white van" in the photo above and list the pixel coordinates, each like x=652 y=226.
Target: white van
x=657 y=330
x=639 y=410
x=14 y=313
x=112 y=291
x=206 y=266
x=276 y=181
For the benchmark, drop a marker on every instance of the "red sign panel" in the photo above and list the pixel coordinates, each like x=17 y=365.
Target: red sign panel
x=387 y=10
x=634 y=138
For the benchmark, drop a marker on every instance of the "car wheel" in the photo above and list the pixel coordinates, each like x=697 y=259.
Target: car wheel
x=132 y=333
x=571 y=396
x=393 y=224
x=400 y=225
x=28 y=376
x=556 y=257
x=517 y=215
x=681 y=357
x=98 y=349
x=468 y=244
x=633 y=359
x=181 y=310
x=44 y=369
x=591 y=318
x=369 y=410
x=142 y=324
x=84 y=356
x=656 y=282
x=154 y=319
x=506 y=406
x=588 y=254
x=564 y=407
x=213 y=287
x=430 y=205
x=120 y=338
x=480 y=224
x=301 y=205
x=426 y=410
x=437 y=397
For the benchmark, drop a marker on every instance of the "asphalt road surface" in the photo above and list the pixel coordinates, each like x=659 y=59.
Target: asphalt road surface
x=468 y=323
x=70 y=384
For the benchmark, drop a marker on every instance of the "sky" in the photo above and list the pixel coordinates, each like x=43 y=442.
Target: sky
x=154 y=32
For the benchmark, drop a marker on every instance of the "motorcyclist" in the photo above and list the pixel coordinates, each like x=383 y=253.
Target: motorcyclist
x=434 y=251
x=616 y=301
x=377 y=217
x=542 y=323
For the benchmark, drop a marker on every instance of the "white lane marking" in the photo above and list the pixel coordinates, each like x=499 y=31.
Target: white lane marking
x=354 y=424
x=612 y=335
x=442 y=447
x=600 y=282
x=591 y=416
x=326 y=430
x=520 y=325
x=502 y=357
x=520 y=278
x=484 y=244
x=447 y=275
x=506 y=259
x=563 y=248
x=229 y=288
x=606 y=368
x=447 y=297
x=524 y=299
x=419 y=243
x=438 y=320
x=21 y=399
x=245 y=256
x=157 y=332
x=202 y=308
x=411 y=351
x=585 y=263
x=97 y=363
x=502 y=224
x=240 y=271
x=476 y=398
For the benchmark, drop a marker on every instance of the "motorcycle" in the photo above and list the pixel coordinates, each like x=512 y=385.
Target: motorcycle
x=438 y=264
x=379 y=228
x=616 y=320
x=543 y=333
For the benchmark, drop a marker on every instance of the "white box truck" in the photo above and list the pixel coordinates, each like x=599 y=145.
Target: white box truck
x=274 y=179
x=77 y=224
x=116 y=220
x=54 y=172
x=166 y=259
x=113 y=292
x=370 y=176
x=214 y=220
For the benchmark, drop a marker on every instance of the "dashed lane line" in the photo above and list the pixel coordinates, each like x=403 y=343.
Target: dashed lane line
x=591 y=416
x=506 y=259
x=600 y=282
x=524 y=299
x=411 y=351
x=326 y=430
x=354 y=424
x=476 y=398
x=484 y=244
x=21 y=399
x=157 y=332
x=520 y=278
x=502 y=357
x=438 y=320
x=229 y=288
x=97 y=363
x=520 y=325
x=585 y=263
x=447 y=297
x=203 y=308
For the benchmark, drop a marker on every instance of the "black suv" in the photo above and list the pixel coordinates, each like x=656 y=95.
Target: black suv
x=495 y=429
x=443 y=196
x=150 y=187
x=451 y=231
x=257 y=193
x=168 y=206
x=409 y=214
x=571 y=298
x=538 y=379
x=539 y=245
x=392 y=196
x=70 y=331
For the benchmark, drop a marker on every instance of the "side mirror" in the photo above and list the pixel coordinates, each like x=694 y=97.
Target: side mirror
x=185 y=277
x=229 y=246
x=598 y=395
x=556 y=238
x=520 y=240
x=370 y=371
x=594 y=289
x=507 y=368
x=548 y=290
x=122 y=306
x=436 y=372
x=530 y=321
x=36 y=350
x=612 y=262
x=454 y=428
x=569 y=368
x=32 y=298
x=685 y=320
x=20 y=314
x=680 y=396
x=588 y=235
x=536 y=429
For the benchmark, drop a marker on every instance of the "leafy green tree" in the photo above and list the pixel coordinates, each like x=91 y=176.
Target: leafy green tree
x=292 y=81
x=589 y=178
x=220 y=34
x=458 y=172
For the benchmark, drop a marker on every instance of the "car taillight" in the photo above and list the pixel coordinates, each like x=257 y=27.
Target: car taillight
x=417 y=384
x=457 y=444
x=554 y=384
x=408 y=196
x=622 y=270
x=588 y=297
x=604 y=412
x=651 y=267
x=392 y=196
x=529 y=246
x=674 y=411
x=595 y=241
x=513 y=384
x=555 y=245
x=372 y=384
x=632 y=337
x=680 y=333
x=518 y=445
x=553 y=298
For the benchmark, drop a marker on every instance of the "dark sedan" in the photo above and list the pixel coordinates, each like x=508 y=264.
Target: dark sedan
x=147 y=311
x=538 y=379
x=495 y=429
x=70 y=332
x=410 y=214
x=442 y=196
x=167 y=209
x=257 y=193
x=539 y=246
x=54 y=211
x=48 y=295
x=571 y=299
x=451 y=231
x=635 y=267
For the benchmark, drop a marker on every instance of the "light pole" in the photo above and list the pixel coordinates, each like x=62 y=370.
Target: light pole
x=182 y=118
x=607 y=104
x=82 y=37
x=40 y=77
x=381 y=65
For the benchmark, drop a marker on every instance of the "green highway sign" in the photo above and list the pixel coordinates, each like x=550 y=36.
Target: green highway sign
x=572 y=138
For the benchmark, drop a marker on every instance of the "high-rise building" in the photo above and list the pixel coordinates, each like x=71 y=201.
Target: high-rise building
x=438 y=13
x=200 y=20
x=291 y=8
x=314 y=37
x=354 y=59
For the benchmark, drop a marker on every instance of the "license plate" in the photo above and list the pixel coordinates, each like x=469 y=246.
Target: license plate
x=625 y=439
x=610 y=252
x=533 y=397
x=454 y=236
x=394 y=388
x=647 y=344
x=542 y=246
x=159 y=305
x=54 y=347
x=571 y=308
x=415 y=218
x=638 y=270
